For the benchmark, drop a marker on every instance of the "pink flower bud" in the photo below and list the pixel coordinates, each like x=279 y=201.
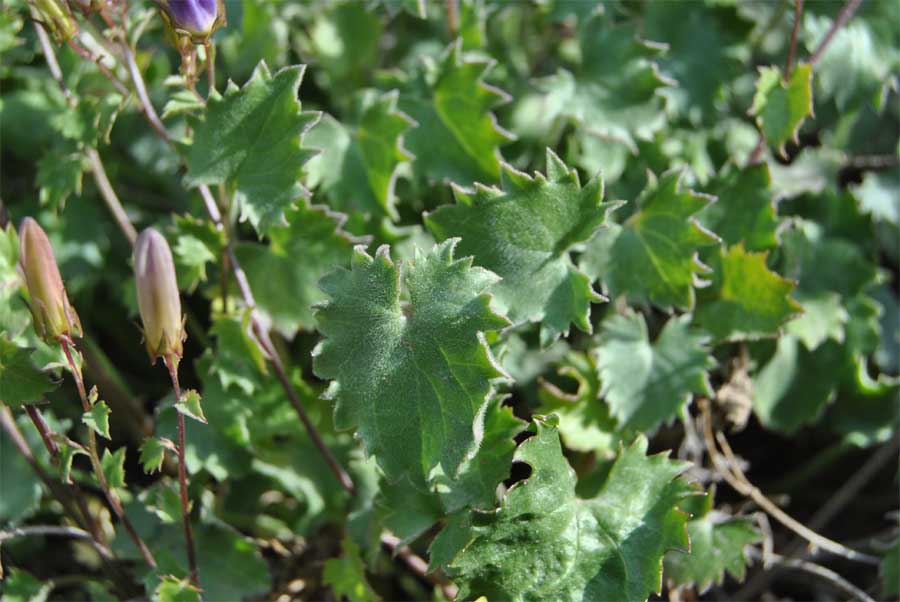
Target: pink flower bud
x=53 y=316
x=157 y=293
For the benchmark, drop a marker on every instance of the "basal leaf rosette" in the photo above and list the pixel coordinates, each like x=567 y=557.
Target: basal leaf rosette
x=543 y=543
x=525 y=233
x=406 y=354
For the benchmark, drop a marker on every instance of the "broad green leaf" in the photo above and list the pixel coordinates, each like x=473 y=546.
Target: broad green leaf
x=20 y=380
x=457 y=138
x=823 y=318
x=524 y=233
x=780 y=107
x=113 y=466
x=746 y=300
x=878 y=194
x=251 y=140
x=153 y=452
x=189 y=405
x=239 y=361
x=585 y=422
x=411 y=377
x=97 y=419
x=173 y=589
x=359 y=161
x=545 y=544
x=745 y=209
x=347 y=575
x=653 y=255
x=21 y=586
x=647 y=384
x=718 y=543
x=284 y=274
x=59 y=176
x=890 y=571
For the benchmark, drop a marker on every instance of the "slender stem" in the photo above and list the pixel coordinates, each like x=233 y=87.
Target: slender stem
x=417 y=565
x=210 y=47
x=98 y=62
x=734 y=476
x=451 y=7
x=792 y=47
x=842 y=18
x=172 y=364
x=820 y=571
x=109 y=195
x=111 y=497
x=141 y=89
x=54 y=530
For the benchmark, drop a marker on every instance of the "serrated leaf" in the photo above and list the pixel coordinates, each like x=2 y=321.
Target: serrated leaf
x=428 y=371
x=544 y=543
x=195 y=243
x=183 y=102
x=745 y=209
x=20 y=380
x=745 y=300
x=780 y=107
x=97 y=418
x=653 y=255
x=823 y=318
x=153 y=452
x=59 y=176
x=189 y=405
x=113 y=466
x=585 y=423
x=457 y=138
x=347 y=575
x=718 y=543
x=67 y=454
x=239 y=361
x=173 y=589
x=525 y=233
x=358 y=164
x=646 y=384
x=284 y=275
x=251 y=139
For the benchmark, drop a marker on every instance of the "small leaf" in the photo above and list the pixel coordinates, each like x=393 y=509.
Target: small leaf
x=113 y=466
x=98 y=419
x=780 y=107
x=173 y=589
x=93 y=395
x=67 y=454
x=153 y=452
x=347 y=575
x=189 y=405
x=59 y=176
x=647 y=384
x=20 y=381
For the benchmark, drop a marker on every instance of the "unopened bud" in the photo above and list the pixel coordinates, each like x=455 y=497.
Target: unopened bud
x=56 y=18
x=54 y=317
x=194 y=19
x=157 y=293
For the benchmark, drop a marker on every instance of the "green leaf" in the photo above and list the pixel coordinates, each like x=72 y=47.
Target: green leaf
x=21 y=586
x=866 y=411
x=646 y=383
x=59 y=176
x=284 y=274
x=18 y=481
x=878 y=194
x=745 y=209
x=153 y=452
x=780 y=107
x=525 y=233
x=20 y=381
x=195 y=243
x=585 y=422
x=189 y=405
x=251 y=140
x=890 y=571
x=97 y=418
x=344 y=40
x=458 y=137
x=173 y=589
x=412 y=377
x=653 y=255
x=823 y=318
x=718 y=543
x=358 y=164
x=545 y=544
x=746 y=300
x=113 y=466
x=347 y=575
x=67 y=454
x=239 y=361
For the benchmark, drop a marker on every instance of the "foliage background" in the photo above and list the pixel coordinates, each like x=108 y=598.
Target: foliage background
x=705 y=298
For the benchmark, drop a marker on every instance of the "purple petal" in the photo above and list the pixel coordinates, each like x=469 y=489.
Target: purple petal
x=195 y=16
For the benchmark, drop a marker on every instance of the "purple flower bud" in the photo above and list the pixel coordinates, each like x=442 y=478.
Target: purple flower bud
x=54 y=317
x=197 y=19
x=157 y=293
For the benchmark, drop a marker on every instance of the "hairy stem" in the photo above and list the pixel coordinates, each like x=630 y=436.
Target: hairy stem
x=172 y=365
x=94 y=456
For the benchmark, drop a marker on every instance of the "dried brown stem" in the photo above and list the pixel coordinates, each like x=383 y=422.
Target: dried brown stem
x=172 y=364
x=820 y=571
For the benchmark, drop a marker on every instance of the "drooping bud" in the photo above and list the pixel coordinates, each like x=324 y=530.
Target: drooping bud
x=157 y=293
x=194 y=19
x=54 y=317
x=56 y=18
